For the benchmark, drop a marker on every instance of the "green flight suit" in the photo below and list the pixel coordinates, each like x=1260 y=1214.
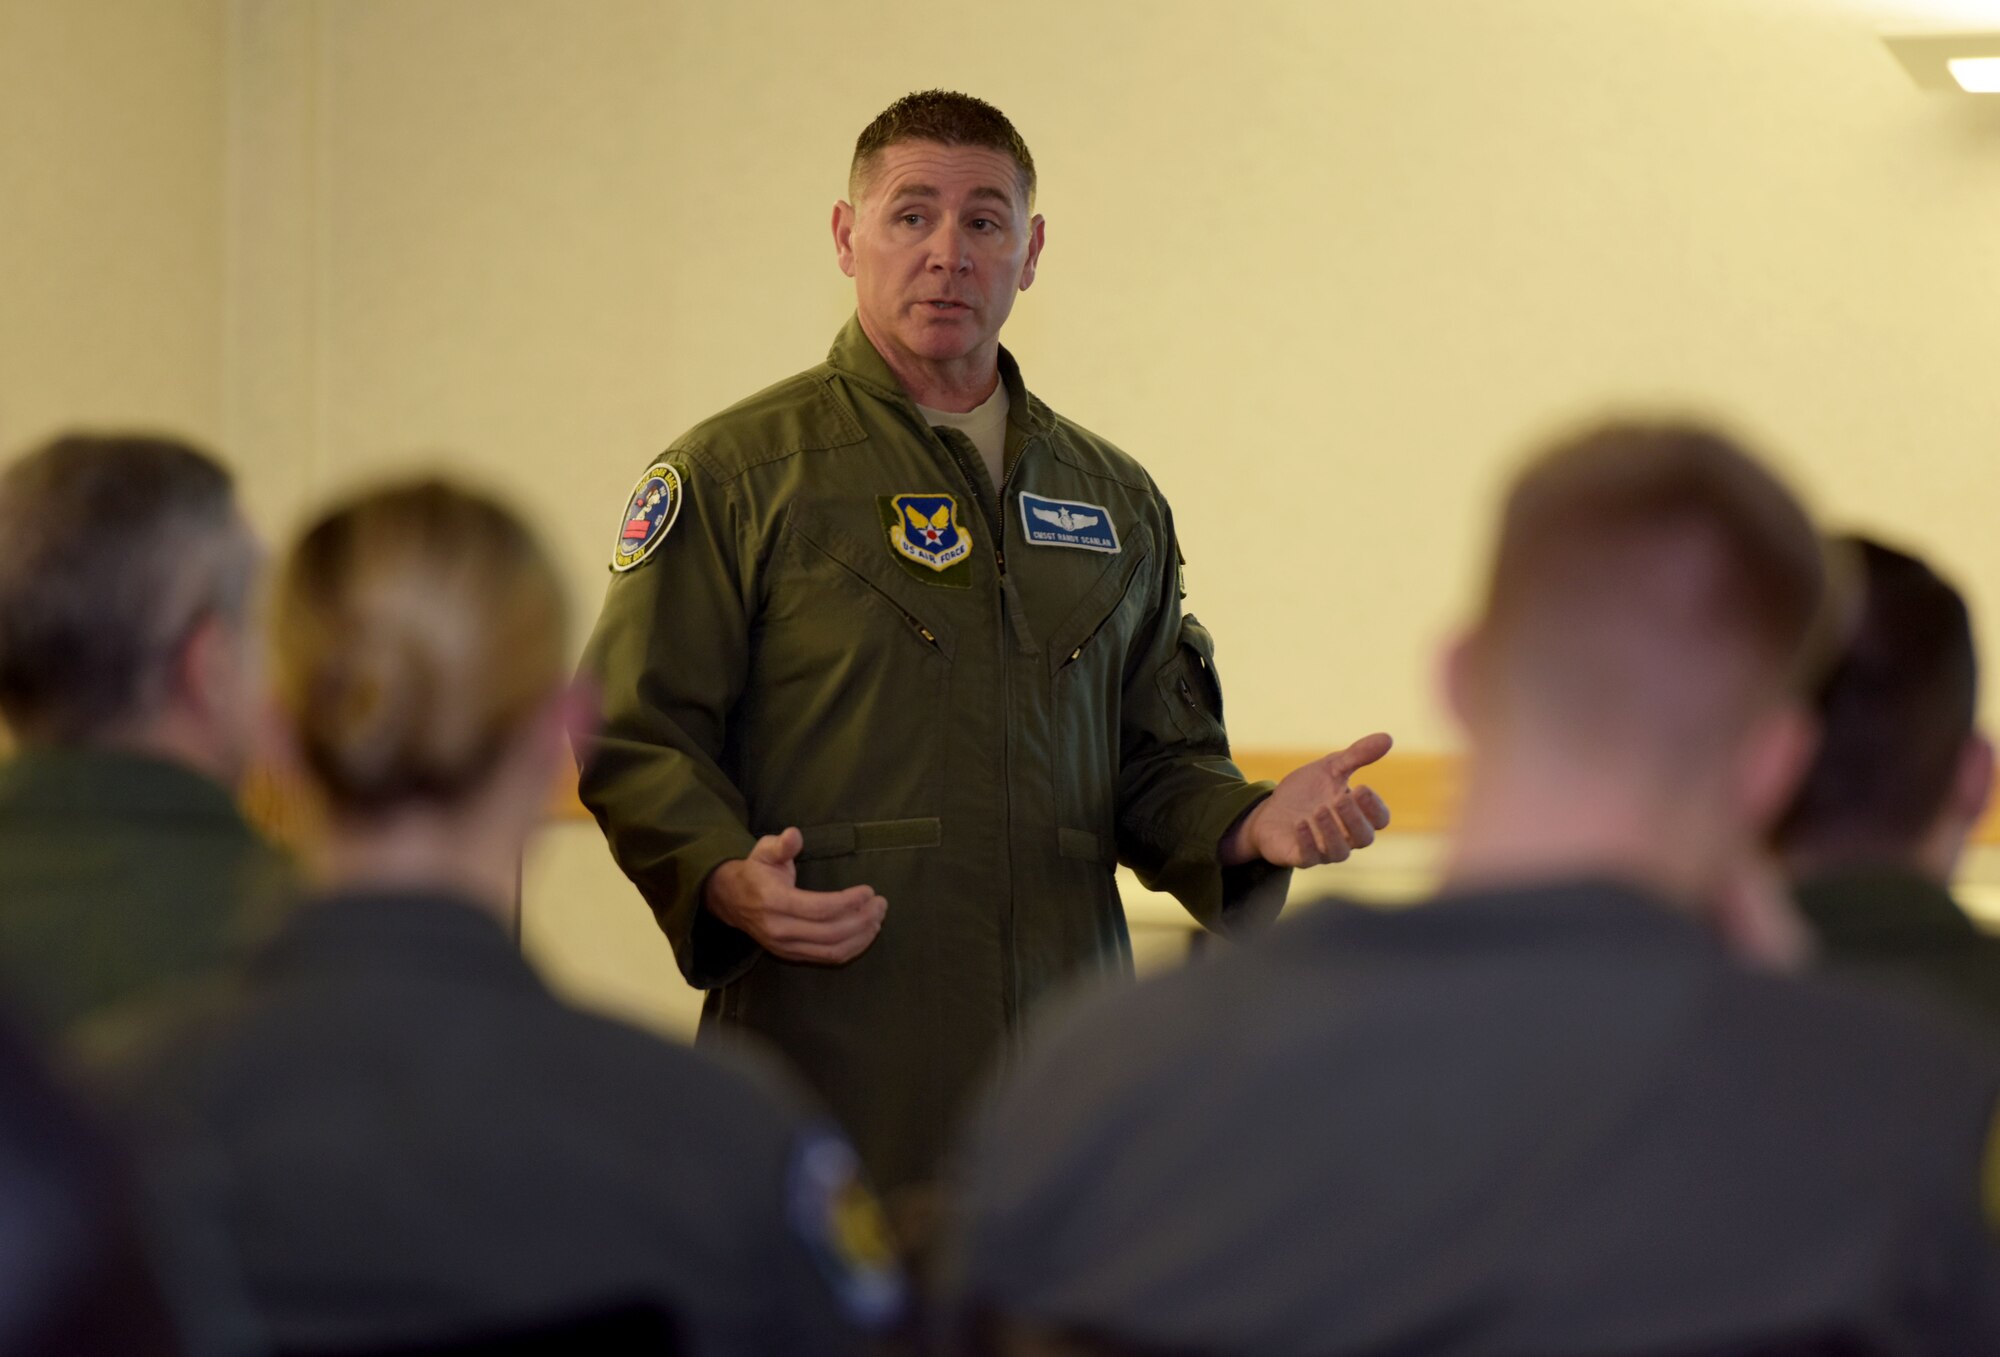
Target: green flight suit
x=981 y=727
x=124 y=880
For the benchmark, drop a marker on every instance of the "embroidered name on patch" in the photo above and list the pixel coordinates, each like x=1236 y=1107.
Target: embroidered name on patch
x=649 y=515
x=928 y=532
x=1066 y=523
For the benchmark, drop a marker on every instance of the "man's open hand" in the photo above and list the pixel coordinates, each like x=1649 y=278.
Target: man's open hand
x=1314 y=816
x=760 y=895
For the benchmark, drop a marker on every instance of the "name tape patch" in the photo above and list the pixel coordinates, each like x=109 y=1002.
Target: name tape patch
x=1067 y=523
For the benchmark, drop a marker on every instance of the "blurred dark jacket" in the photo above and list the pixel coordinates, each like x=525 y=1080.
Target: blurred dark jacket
x=1895 y=924
x=1558 y=1121
x=74 y=1276
x=122 y=879
x=406 y=1139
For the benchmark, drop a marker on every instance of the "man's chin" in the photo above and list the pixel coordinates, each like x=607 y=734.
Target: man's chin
x=943 y=341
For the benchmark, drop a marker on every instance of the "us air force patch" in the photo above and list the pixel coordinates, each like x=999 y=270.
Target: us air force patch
x=842 y=1226
x=1067 y=523
x=928 y=532
x=649 y=515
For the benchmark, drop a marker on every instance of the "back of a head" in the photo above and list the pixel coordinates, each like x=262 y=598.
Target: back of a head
x=416 y=630
x=113 y=548
x=1654 y=587
x=1896 y=711
x=947 y=118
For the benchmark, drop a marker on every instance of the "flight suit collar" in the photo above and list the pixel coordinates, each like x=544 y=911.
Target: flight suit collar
x=431 y=933
x=855 y=355
x=111 y=785
x=1874 y=905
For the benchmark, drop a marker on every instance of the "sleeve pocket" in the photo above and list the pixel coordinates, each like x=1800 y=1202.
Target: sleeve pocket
x=1190 y=688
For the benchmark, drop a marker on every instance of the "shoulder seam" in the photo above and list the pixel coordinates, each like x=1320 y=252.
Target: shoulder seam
x=1107 y=465
x=701 y=450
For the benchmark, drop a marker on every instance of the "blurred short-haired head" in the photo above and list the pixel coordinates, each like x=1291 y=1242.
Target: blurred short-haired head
x=1897 y=714
x=114 y=551
x=1655 y=587
x=417 y=631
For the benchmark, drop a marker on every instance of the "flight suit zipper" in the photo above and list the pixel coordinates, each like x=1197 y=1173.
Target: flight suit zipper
x=929 y=637
x=1009 y=975
x=995 y=521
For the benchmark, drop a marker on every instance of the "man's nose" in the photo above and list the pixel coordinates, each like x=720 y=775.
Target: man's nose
x=949 y=252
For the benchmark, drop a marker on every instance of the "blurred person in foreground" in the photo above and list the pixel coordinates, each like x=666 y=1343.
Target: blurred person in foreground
x=74 y=1277
x=126 y=680
x=405 y=1137
x=1572 y=1106
x=1900 y=782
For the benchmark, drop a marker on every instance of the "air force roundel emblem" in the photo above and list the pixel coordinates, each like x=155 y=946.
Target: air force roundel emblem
x=649 y=514
x=1067 y=523
x=927 y=531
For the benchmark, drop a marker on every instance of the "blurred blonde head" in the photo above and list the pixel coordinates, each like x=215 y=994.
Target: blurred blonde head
x=418 y=636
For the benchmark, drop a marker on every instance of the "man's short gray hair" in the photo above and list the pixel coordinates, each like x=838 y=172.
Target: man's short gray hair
x=113 y=549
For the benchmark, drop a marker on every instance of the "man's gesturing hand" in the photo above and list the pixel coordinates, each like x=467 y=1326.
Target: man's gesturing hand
x=1313 y=816
x=760 y=895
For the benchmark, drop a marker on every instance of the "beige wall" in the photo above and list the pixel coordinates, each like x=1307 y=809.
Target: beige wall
x=1324 y=267
x=111 y=190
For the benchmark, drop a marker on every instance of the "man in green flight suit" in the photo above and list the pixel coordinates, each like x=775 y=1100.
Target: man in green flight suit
x=893 y=621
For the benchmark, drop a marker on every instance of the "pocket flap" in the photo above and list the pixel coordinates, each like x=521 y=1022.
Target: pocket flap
x=870 y=836
x=1081 y=843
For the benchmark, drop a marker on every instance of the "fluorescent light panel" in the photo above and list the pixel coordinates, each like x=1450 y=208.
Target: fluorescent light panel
x=1956 y=63
x=1976 y=75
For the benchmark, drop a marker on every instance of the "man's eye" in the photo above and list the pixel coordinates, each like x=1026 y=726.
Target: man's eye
x=912 y=219
x=985 y=223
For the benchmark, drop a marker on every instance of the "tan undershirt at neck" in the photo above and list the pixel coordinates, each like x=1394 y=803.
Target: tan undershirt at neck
x=985 y=425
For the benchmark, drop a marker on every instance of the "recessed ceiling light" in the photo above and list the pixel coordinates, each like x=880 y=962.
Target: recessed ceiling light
x=1959 y=63
x=1976 y=75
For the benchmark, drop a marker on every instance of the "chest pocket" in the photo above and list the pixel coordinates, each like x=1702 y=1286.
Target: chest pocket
x=852 y=671
x=1089 y=655
x=1100 y=623
x=848 y=587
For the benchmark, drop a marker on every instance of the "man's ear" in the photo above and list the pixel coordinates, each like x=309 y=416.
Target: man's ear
x=204 y=668
x=843 y=236
x=1037 y=237
x=1456 y=679
x=1972 y=783
x=1777 y=754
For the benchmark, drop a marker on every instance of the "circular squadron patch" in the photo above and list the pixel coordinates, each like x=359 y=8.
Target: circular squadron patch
x=649 y=515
